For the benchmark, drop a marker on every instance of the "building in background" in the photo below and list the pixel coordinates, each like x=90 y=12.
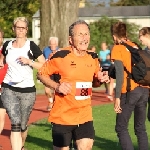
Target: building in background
x=139 y=15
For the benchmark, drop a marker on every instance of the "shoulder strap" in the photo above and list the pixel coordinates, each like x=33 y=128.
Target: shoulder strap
x=31 y=43
x=139 y=47
x=4 y=51
x=129 y=75
x=30 y=53
x=7 y=42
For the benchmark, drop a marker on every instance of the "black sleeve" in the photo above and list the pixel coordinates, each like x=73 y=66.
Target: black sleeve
x=93 y=54
x=4 y=51
x=119 y=77
x=35 y=50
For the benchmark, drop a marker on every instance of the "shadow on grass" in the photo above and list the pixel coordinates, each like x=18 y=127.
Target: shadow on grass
x=40 y=142
x=106 y=144
x=44 y=142
x=46 y=126
x=40 y=138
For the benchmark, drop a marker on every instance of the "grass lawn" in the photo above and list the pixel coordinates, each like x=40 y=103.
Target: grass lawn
x=39 y=136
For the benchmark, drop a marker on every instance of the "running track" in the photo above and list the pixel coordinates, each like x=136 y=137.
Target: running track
x=39 y=112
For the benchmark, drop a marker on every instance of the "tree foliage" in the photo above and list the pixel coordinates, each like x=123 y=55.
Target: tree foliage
x=100 y=31
x=16 y=8
x=129 y=2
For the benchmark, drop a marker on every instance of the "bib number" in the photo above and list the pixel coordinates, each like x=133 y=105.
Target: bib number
x=83 y=90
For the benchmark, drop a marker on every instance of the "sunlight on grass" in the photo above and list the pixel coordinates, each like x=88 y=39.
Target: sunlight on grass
x=39 y=137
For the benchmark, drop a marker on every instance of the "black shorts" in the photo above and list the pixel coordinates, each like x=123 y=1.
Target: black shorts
x=63 y=134
x=1 y=104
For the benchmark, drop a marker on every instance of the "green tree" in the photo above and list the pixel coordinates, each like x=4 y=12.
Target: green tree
x=129 y=2
x=15 y=8
x=100 y=31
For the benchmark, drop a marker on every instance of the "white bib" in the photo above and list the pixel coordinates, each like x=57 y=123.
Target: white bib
x=83 y=90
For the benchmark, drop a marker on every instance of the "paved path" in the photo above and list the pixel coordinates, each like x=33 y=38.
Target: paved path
x=39 y=112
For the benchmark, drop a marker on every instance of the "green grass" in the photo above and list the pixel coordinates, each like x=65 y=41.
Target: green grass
x=39 y=136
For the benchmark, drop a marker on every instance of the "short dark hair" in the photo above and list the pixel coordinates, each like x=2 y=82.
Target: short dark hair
x=119 y=30
x=76 y=23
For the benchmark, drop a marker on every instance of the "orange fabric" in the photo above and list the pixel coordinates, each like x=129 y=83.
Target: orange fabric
x=119 y=52
x=79 y=91
x=66 y=109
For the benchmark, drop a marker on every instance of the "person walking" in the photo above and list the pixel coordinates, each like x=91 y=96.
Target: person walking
x=71 y=115
x=144 y=38
x=18 y=88
x=138 y=95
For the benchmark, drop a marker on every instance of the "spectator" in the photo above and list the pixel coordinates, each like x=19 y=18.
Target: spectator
x=104 y=57
x=53 y=47
x=134 y=100
x=47 y=52
x=144 y=37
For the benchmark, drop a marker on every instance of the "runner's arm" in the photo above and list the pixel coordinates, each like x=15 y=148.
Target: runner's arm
x=44 y=73
x=47 y=81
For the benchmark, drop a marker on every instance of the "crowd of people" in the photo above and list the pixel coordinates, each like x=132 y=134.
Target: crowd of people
x=67 y=74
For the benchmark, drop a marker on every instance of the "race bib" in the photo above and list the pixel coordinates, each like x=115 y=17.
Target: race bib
x=83 y=90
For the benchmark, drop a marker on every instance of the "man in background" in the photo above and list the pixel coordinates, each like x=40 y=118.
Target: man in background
x=47 y=52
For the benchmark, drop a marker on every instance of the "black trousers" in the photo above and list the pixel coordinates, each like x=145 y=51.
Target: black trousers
x=137 y=104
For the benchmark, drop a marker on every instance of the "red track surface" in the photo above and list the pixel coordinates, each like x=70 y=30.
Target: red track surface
x=39 y=112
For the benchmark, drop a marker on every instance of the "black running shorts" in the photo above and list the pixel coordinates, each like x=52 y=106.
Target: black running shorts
x=63 y=134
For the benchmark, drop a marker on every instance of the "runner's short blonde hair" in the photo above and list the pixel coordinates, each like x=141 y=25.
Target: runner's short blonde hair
x=20 y=19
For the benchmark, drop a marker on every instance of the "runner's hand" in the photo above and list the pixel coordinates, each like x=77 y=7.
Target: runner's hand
x=117 y=107
x=23 y=60
x=103 y=76
x=64 y=88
